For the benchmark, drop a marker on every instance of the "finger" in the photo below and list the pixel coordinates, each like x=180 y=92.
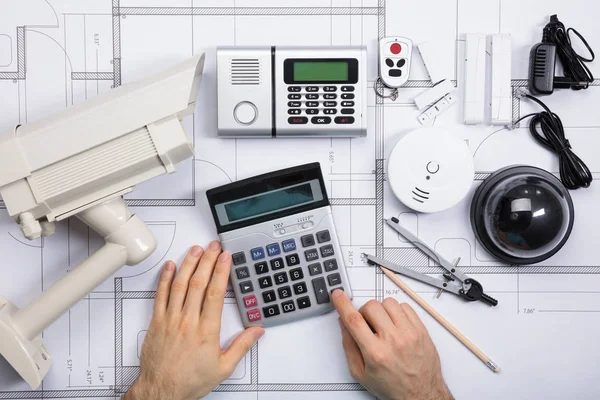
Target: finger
x=241 y=345
x=181 y=282
x=215 y=296
x=397 y=314
x=200 y=280
x=161 y=300
x=354 y=357
x=353 y=320
x=413 y=317
x=377 y=317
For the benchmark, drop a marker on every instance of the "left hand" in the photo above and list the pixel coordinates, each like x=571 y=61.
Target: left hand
x=182 y=357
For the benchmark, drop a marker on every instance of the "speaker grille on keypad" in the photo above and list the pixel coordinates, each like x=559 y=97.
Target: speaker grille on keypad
x=245 y=71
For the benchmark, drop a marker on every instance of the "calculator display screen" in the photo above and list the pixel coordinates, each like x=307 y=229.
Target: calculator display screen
x=270 y=202
x=326 y=71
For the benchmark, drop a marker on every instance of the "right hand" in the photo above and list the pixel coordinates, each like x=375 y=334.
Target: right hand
x=389 y=350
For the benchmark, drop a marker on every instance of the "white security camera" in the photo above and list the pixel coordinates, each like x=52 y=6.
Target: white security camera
x=80 y=163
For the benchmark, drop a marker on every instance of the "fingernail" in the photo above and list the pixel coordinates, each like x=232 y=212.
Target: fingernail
x=196 y=251
x=214 y=245
x=337 y=293
x=225 y=256
x=170 y=266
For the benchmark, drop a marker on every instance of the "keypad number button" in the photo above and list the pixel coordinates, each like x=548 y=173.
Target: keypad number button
x=265 y=282
x=289 y=245
x=269 y=296
x=330 y=265
x=330 y=89
x=327 y=251
x=311 y=255
x=242 y=273
x=277 y=263
x=307 y=240
x=246 y=287
x=261 y=268
x=250 y=301
x=300 y=288
x=281 y=278
x=271 y=311
x=257 y=253
x=288 y=306
x=323 y=237
x=273 y=249
x=254 y=315
x=320 y=289
x=238 y=258
x=312 y=89
x=285 y=292
x=303 y=302
x=292 y=260
x=334 y=280
x=294 y=89
x=296 y=274
x=315 y=269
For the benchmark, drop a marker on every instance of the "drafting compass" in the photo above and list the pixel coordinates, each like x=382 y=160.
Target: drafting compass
x=455 y=280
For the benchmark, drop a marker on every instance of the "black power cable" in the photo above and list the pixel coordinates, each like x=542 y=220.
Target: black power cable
x=547 y=129
x=573 y=63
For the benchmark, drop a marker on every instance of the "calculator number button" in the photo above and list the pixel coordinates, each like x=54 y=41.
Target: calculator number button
x=273 y=249
x=315 y=269
x=312 y=96
x=294 y=89
x=334 y=280
x=238 y=258
x=311 y=255
x=265 y=282
x=242 y=273
x=284 y=292
x=307 y=240
x=246 y=287
x=261 y=268
x=312 y=104
x=271 y=311
x=254 y=315
x=330 y=89
x=330 y=265
x=300 y=288
x=303 y=302
x=294 y=104
x=250 y=301
x=269 y=296
x=294 y=96
x=296 y=274
x=292 y=260
x=320 y=289
x=277 y=263
x=289 y=245
x=258 y=253
x=312 y=89
x=327 y=251
x=323 y=237
x=312 y=111
x=288 y=306
x=281 y=278
x=330 y=96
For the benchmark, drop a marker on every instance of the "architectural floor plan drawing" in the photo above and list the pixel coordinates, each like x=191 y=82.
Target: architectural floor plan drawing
x=543 y=334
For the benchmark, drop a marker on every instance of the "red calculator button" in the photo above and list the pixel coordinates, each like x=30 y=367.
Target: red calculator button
x=396 y=48
x=250 y=301
x=254 y=315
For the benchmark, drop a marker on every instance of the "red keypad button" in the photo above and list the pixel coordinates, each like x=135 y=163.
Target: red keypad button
x=250 y=301
x=395 y=48
x=254 y=315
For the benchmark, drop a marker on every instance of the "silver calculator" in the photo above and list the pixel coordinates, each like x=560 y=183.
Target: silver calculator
x=286 y=254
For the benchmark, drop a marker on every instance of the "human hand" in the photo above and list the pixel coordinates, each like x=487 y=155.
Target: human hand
x=389 y=350
x=182 y=357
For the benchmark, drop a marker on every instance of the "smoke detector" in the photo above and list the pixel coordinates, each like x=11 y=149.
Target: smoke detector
x=430 y=170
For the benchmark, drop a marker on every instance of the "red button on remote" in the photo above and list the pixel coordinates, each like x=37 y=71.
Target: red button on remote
x=254 y=315
x=396 y=48
x=250 y=301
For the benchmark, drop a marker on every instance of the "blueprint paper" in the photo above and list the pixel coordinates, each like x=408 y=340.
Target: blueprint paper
x=544 y=332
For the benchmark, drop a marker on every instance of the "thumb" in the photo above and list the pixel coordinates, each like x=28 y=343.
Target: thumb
x=242 y=345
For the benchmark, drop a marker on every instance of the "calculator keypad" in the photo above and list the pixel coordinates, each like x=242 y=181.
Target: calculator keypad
x=287 y=278
x=315 y=101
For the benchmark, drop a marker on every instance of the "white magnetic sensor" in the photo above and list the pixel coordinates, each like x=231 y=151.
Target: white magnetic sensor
x=430 y=170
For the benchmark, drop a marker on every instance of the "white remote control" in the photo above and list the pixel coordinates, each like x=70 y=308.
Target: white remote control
x=395 y=56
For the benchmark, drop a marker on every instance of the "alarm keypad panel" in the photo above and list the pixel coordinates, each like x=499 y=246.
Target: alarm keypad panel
x=294 y=91
x=286 y=254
